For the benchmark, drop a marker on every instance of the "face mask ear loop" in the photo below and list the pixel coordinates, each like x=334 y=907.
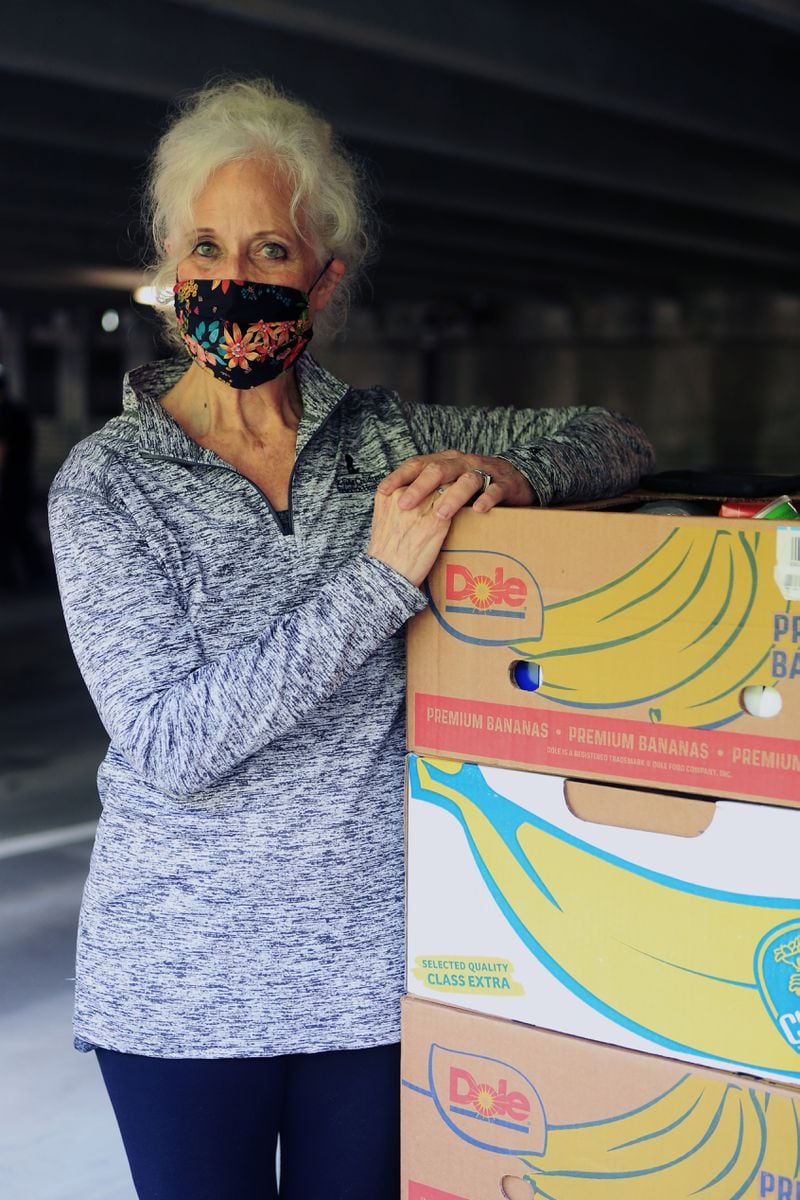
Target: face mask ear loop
x=322 y=272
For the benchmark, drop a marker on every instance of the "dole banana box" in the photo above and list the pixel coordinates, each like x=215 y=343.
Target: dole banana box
x=638 y=635
x=661 y=923
x=492 y=1109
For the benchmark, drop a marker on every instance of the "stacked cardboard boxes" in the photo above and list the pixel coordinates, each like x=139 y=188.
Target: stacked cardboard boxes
x=603 y=940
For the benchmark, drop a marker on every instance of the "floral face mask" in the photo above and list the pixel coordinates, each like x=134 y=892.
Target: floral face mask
x=244 y=333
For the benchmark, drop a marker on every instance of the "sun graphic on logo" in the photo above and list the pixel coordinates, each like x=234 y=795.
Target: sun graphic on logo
x=484 y=1100
x=483 y=592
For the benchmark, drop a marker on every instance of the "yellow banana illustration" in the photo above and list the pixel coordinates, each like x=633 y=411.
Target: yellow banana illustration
x=712 y=696
x=724 y=573
x=673 y=962
x=703 y=1138
x=637 y=600
x=676 y=633
x=670 y=1152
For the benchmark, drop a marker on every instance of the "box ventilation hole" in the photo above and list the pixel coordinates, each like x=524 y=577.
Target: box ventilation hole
x=527 y=676
x=761 y=701
x=514 y=1188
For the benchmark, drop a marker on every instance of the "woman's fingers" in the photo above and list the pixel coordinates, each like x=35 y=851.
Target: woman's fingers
x=434 y=474
x=401 y=476
x=421 y=477
x=462 y=475
x=465 y=488
x=492 y=495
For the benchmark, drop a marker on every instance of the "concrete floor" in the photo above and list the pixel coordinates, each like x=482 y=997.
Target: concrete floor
x=58 y=1137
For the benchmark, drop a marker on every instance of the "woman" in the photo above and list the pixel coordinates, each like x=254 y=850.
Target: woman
x=238 y=553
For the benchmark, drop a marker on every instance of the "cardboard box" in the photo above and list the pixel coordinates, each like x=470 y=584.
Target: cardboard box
x=645 y=631
x=661 y=923
x=492 y=1109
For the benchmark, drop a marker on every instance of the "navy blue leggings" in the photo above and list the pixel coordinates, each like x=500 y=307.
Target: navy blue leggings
x=206 y=1129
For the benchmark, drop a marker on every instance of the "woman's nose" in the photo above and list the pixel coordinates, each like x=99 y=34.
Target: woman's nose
x=231 y=264
x=236 y=265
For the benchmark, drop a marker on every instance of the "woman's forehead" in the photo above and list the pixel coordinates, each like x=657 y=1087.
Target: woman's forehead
x=246 y=191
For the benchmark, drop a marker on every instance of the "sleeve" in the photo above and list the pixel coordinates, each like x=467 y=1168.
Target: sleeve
x=181 y=721
x=566 y=454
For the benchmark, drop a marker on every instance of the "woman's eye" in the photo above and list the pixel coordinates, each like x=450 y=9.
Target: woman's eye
x=273 y=250
x=205 y=249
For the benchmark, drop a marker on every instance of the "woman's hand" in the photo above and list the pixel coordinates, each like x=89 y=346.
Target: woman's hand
x=407 y=538
x=461 y=477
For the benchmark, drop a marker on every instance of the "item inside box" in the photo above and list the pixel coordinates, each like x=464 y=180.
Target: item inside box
x=701 y=493
x=720 y=484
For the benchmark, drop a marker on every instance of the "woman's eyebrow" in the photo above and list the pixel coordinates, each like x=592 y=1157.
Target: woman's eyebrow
x=205 y=229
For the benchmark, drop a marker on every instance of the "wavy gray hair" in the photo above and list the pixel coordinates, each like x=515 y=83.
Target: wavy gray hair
x=251 y=118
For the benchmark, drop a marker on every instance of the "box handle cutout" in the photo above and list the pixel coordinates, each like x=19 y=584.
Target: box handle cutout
x=761 y=701
x=512 y=1187
x=626 y=808
x=525 y=675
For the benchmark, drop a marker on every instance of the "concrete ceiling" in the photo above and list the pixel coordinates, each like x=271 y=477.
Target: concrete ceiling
x=518 y=146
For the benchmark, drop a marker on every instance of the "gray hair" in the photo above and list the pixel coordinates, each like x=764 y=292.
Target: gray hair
x=251 y=118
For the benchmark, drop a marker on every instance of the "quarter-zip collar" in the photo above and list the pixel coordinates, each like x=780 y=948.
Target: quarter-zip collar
x=320 y=393
x=160 y=434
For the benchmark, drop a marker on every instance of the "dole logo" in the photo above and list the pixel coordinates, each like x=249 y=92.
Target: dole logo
x=485 y=597
x=490 y=1102
x=487 y=1102
x=490 y=596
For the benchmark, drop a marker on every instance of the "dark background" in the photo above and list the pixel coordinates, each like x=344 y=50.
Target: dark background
x=582 y=201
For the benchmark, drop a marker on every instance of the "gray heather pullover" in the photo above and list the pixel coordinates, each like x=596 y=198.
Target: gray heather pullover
x=245 y=895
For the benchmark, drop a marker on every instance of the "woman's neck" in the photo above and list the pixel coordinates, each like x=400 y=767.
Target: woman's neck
x=209 y=410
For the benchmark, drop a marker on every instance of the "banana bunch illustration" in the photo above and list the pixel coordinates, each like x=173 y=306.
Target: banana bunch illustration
x=675 y=632
x=701 y=1138
x=690 y=968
